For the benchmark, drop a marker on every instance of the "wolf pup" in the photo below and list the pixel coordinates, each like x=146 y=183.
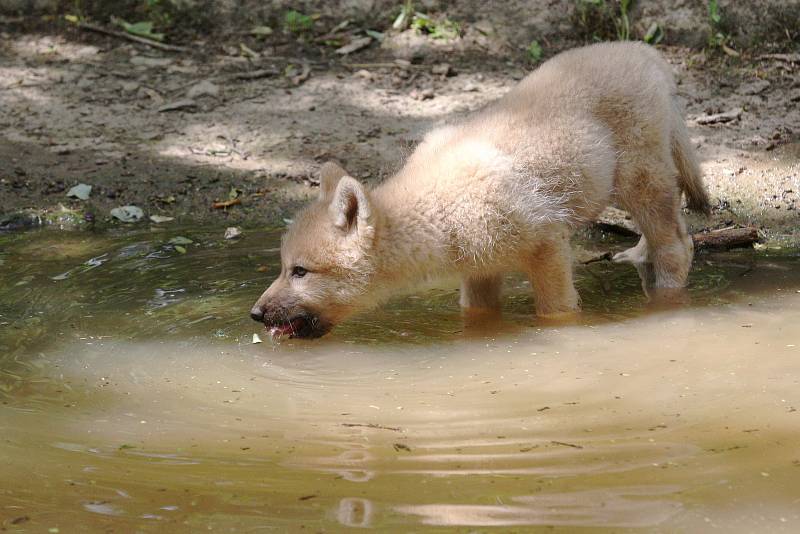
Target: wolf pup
x=502 y=191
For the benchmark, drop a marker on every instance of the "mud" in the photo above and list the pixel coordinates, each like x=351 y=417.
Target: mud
x=85 y=108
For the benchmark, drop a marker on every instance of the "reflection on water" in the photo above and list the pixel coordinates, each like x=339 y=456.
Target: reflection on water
x=132 y=399
x=636 y=506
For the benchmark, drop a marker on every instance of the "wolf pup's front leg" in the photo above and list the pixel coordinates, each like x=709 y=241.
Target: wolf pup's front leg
x=549 y=267
x=480 y=292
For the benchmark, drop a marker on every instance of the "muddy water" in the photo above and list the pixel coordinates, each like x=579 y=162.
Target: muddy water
x=132 y=398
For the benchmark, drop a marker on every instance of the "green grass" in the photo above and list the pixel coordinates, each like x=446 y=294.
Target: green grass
x=436 y=28
x=716 y=37
x=604 y=20
x=534 y=51
x=296 y=22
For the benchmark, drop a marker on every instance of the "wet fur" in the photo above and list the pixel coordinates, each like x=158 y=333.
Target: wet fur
x=504 y=189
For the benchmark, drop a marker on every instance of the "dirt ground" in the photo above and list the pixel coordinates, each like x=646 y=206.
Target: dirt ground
x=174 y=132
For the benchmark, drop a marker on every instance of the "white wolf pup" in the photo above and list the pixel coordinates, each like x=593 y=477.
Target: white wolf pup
x=502 y=191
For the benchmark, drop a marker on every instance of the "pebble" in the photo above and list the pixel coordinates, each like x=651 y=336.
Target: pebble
x=443 y=69
x=232 y=232
x=128 y=214
x=425 y=94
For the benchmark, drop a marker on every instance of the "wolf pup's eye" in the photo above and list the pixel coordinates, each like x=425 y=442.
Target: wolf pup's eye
x=298 y=271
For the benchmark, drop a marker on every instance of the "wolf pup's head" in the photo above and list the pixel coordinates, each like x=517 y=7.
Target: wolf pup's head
x=326 y=261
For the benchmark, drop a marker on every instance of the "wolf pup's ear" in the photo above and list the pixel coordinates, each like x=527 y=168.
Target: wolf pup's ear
x=329 y=176
x=350 y=208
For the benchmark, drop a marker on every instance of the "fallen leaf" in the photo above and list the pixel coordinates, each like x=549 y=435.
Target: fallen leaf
x=730 y=51
x=339 y=27
x=142 y=29
x=354 y=46
x=161 y=219
x=261 y=31
x=247 y=51
x=128 y=214
x=80 y=191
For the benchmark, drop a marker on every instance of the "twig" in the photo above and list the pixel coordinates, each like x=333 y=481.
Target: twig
x=565 y=444
x=226 y=203
x=252 y=75
x=382 y=66
x=373 y=425
x=726 y=238
x=88 y=26
x=606 y=256
x=789 y=58
x=719 y=118
x=720 y=239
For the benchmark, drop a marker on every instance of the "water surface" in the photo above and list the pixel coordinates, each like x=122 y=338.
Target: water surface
x=132 y=398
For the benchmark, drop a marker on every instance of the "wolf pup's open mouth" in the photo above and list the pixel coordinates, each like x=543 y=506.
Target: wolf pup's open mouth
x=292 y=327
x=301 y=326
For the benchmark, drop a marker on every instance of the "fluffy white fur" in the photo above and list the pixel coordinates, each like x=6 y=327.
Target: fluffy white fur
x=503 y=190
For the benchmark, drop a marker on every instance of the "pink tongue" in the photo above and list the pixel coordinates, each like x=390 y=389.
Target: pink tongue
x=281 y=330
x=286 y=328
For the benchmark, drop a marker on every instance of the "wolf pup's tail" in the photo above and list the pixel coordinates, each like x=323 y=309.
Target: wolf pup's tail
x=690 y=177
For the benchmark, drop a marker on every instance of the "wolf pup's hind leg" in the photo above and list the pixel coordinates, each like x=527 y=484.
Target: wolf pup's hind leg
x=654 y=201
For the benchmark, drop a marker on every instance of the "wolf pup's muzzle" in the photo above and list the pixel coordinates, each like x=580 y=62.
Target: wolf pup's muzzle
x=299 y=325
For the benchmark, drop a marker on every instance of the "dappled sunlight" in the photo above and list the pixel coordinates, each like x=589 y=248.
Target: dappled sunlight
x=270 y=138
x=212 y=150
x=245 y=132
x=19 y=87
x=51 y=47
x=172 y=146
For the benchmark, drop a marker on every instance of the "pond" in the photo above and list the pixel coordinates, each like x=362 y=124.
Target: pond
x=132 y=397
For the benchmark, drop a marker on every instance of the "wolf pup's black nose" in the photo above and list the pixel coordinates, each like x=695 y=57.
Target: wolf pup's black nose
x=257 y=314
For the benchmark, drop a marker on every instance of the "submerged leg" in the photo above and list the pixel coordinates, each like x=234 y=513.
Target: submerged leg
x=481 y=292
x=654 y=202
x=549 y=268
